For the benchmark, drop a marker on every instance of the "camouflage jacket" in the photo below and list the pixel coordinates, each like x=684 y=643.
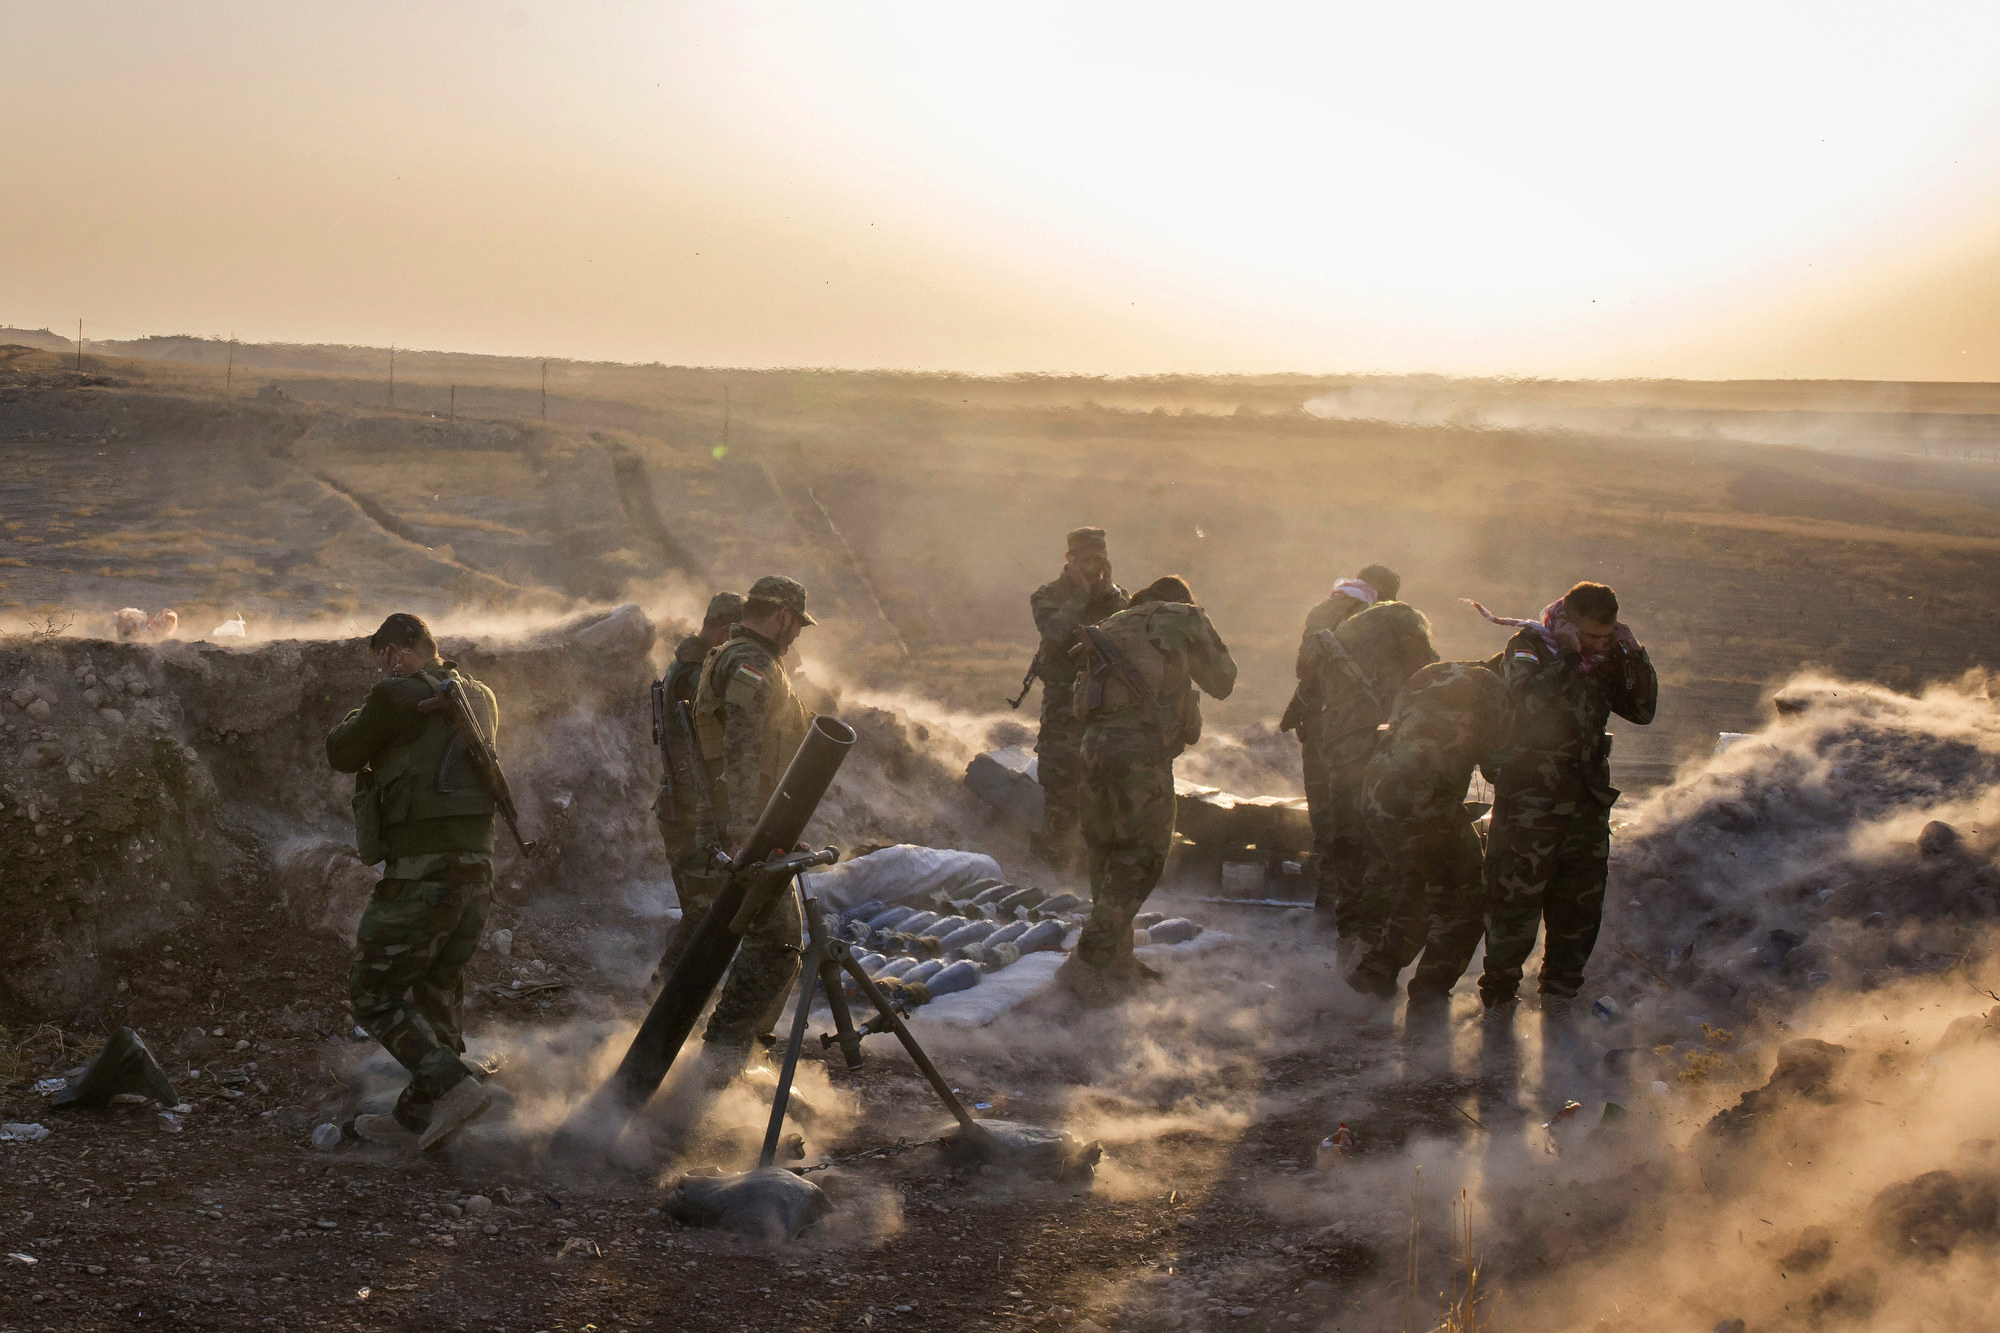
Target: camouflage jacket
x=1329 y=614
x=1554 y=740
x=750 y=723
x=1175 y=650
x=425 y=795
x=1446 y=721
x=1354 y=671
x=1061 y=610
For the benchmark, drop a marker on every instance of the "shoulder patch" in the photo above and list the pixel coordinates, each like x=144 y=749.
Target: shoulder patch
x=745 y=672
x=1523 y=655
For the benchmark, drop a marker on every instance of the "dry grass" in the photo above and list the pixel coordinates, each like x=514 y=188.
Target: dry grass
x=45 y=1047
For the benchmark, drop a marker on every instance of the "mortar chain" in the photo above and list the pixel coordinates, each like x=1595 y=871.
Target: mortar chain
x=896 y=1149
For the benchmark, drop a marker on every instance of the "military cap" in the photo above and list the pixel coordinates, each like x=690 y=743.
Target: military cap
x=725 y=606
x=1087 y=541
x=401 y=630
x=785 y=592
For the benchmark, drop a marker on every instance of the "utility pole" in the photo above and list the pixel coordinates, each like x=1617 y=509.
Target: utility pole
x=229 y=376
x=452 y=418
x=79 y=347
x=392 y=376
x=545 y=392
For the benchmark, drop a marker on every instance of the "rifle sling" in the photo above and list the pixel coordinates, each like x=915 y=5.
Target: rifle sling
x=1126 y=672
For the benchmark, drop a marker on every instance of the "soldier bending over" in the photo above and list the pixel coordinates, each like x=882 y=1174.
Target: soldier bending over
x=1136 y=695
x=1550 y=844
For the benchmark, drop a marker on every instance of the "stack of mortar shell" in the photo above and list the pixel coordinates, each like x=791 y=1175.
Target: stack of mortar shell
x=1010 y=943
x=919 y=950
x=1158 y=928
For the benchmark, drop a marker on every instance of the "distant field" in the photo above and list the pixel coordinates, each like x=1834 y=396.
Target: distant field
x=921 y=509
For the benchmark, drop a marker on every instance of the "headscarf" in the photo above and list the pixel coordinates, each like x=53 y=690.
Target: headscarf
x=1363 y=593
x=1552 y=617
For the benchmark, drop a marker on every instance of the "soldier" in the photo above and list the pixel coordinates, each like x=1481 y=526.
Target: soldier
x=1550 y=843
x=420 y=807
x=1337 y=883
x=749 y=723
x=678 y=810
x=1136 y=693
x=1083 y=594
x=1445 y=721
x=1352 y=674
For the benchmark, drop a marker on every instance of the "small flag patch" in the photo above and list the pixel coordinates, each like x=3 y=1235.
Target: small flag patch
x=751 y=674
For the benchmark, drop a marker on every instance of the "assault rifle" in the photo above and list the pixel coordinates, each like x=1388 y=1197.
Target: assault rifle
x=450 y=699
x=1027 y=681
x=680 y=754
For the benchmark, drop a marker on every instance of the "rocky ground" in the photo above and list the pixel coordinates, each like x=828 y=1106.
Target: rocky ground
x=224 y=1215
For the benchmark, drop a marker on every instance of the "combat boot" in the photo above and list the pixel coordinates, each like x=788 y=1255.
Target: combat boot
x=384 y=1131
x=465 y=1102
x=1093 y=988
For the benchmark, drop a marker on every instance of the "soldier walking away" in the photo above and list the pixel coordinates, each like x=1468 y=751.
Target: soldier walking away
x=1352 y=674
x=1445 y=722
x=678 y=807
x=421 y=809
x=749 y=722
x=1083 y=594
x=1350 y=597
x=1135 y=691
x=1550 y=843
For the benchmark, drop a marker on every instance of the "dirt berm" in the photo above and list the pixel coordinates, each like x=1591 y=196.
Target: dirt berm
x=179 y=793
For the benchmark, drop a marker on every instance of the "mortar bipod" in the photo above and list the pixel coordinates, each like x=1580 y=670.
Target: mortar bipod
x=826 y=958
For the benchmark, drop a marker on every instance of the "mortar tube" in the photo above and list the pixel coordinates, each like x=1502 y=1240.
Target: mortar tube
x=713 y=946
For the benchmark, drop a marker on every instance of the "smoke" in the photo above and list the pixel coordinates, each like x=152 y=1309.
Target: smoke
x=1805 y=961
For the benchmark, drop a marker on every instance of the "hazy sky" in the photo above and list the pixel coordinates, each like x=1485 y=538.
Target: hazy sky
x=1808 y=189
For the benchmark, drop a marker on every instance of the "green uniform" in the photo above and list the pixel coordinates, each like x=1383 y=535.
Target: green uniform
x=1550 y=842
x=1349 y=676
x=1128 y=758
x=1302 y=716
x=1427 y=895
x=749 y=723
x=1061 y=609
x=678 y=812
x=425 y=813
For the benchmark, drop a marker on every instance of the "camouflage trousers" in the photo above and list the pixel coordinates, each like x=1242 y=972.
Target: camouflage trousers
x=1546 y=860
x=1429 y=898
x=1343 y=851
x=1059 y=771
x=406 y=979
x=1128 y=825
x=688 y=864
x=766 y=964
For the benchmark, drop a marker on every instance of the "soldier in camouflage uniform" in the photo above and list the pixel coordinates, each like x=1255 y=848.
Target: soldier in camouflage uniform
x=1427 y=894
x=1083 y=594
x=1136 y=693
x=1550 y=843
x=420 y=809
x=1353 y=673
x=750 y=723
x=1336 y=867
x=678 y=811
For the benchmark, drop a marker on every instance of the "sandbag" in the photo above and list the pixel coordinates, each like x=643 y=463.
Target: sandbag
x=769 y=1204
x=902 y=873
x=1032 y=1149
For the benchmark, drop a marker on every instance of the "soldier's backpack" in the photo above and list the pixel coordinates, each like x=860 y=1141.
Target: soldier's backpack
x=1358 y=667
